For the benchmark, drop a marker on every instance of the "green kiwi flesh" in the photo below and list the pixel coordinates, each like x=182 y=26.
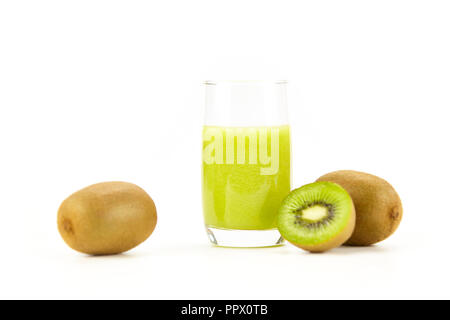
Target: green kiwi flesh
x=317 y=217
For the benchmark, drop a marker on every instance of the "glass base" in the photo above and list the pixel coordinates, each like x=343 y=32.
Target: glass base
x=244 y=238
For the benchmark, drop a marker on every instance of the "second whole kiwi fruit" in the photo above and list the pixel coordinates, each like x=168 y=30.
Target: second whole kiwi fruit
x=378 y=206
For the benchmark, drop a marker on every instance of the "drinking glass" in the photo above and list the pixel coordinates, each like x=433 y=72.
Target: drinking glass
x=246 y=169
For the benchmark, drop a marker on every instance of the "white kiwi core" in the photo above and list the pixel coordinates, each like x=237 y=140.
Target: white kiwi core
x=315 y=213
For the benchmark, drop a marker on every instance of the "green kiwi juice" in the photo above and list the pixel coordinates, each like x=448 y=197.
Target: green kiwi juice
x=246 y=175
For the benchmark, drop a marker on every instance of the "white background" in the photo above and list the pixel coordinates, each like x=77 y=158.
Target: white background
x=95 y=91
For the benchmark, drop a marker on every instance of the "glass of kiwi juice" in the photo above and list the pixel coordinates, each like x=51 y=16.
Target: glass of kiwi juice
x=246 y=161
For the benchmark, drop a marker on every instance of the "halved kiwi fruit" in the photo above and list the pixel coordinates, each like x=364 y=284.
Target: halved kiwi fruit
x=317 y=217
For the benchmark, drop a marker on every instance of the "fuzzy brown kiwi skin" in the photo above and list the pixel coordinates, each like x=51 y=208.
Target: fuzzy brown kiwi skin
x=107 y=218
x=335 y=242
x=378 y=206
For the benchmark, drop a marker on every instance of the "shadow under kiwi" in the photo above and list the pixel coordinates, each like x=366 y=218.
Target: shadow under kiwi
x=124 y=255
x=339 y=251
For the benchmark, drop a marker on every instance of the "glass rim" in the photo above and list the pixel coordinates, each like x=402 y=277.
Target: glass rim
x=243 y=82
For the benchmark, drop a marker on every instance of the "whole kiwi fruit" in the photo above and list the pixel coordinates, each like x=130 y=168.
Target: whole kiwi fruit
x=107 y=218
x=377 y=204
